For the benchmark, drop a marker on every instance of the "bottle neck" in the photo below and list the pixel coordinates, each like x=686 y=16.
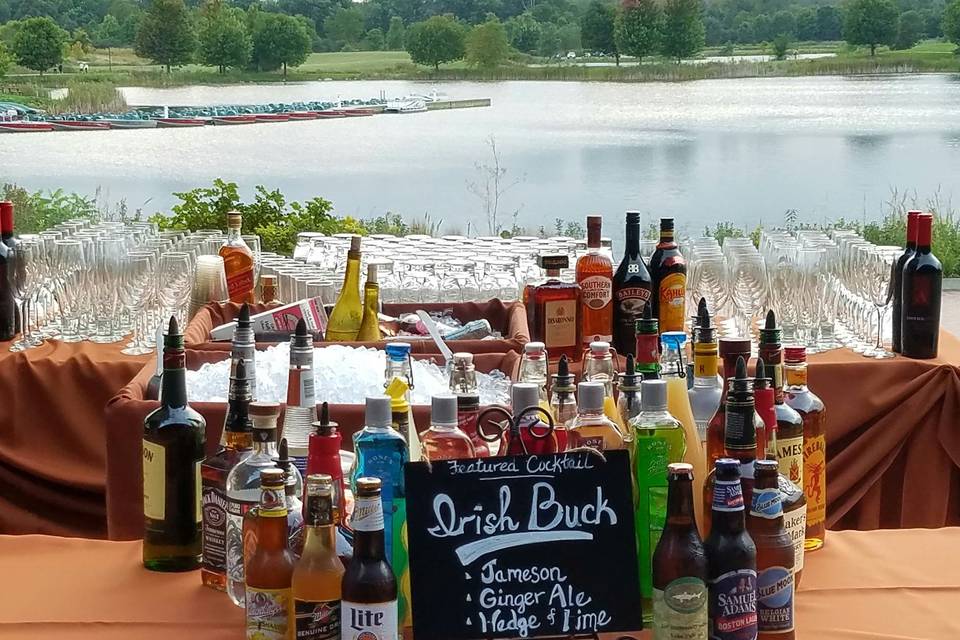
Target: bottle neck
x=174 y=382
x=740 y=430
x=729 y=366
x=772 y=354
x=351 y=277
x=593 y=236
x=796 y=374
x=265 y=443
x=680 y=514
x=272 y=531
x=666 y=239
x=238 y=416
x=371 y=295
x=322 y=538
x=705 y=364
x=237 y=440
x=632 y=241
x=233 y=235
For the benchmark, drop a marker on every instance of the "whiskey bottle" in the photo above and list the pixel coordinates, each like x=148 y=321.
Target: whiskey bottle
x=669 y=272
x=174 y=436
x=595 y=277
x=347 y=314
x=632 y=287
x=237 y=261
x=554 y=310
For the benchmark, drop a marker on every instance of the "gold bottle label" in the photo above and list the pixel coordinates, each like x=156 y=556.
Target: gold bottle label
x=673 y=290
x=790 y=457
x=269 y=614
x=560 y=317
x=815 y=479
x=154 y=480
x=705 y=364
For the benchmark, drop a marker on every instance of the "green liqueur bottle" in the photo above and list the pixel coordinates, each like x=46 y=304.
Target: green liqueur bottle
x=659 y=442
x=174 y=436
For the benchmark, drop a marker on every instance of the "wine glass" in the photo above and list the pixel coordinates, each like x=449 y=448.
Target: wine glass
x=174 y=279
x=748 y=285
x=110 y=251
x=879 y=278
x=135 y=287
x=68 y=266
x=25 y=257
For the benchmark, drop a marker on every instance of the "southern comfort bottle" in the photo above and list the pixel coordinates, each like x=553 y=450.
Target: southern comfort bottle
x=237 y=261
x=595 y=277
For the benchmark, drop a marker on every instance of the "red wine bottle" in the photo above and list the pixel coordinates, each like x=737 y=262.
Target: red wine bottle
x=9 y=327
x=897 y=278
x=922 y=284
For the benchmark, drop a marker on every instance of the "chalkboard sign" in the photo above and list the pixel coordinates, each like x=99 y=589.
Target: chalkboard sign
x=522 y=546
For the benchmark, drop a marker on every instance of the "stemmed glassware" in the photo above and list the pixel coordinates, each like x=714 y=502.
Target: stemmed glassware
x=136 y=285
x=879 y=273
x=109 y=258
x=68 y=292
x=174 y=280
x=23 y=282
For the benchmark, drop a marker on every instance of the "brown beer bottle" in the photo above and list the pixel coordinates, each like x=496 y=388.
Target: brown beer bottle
x=269 y=571
x=775 y=556
x=680 y=565
x=369 y=588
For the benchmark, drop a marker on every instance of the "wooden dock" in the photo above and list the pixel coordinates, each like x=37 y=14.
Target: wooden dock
x=458 y=104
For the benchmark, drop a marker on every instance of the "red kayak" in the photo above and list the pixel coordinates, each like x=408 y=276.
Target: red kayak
x=354 y=113
x=79 y=125
x=301 y=115
x=272 y=117
x=331 y=114
x=180 y=122
x=230 y=120
x=20 y=127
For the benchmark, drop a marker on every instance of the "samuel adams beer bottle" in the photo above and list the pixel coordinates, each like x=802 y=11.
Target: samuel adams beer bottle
x=680 y=565
x=732 y=560
x=369 y=593
x=632 y=288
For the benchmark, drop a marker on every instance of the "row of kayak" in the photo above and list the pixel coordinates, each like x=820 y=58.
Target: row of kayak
x=20 y=126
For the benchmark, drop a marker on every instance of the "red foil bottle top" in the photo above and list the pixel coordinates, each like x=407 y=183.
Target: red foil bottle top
x=795 y=354
x=924 y=229
x=912 y=217
x=765 y=408
x=6 y=217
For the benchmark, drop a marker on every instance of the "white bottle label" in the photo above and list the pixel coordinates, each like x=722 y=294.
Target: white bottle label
x=366 y=621
x=795 y=523
x=367 y=514
x=596 y=291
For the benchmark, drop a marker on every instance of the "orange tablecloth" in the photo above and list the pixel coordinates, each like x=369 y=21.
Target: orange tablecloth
x=893 y=585
x=52 y=444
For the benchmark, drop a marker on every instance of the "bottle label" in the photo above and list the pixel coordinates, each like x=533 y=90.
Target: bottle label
x=680 y=610
x=777 y=376
x=317 y=620
x=733 y=606
x=369 y=621
x=673 y=293
x=795 y=523
x=766 y=504
x=240 y=283
x=268 y=613
x=648 y=349
x=796 y=376
x=236 y=509
x=740 y=432
x=705 y=364
x=790 y=457
x=596 y=291
x=560 y=323
x=815 y=479
x=214 y=527
x=154 y=480
x=727 y=496
x=594 y=442
x=307 y=395
x=367 y=514
x=775 y=600
x=273 y=502
x=630 y=304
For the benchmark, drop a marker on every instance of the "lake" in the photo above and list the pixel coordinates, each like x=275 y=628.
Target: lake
x=740 y=150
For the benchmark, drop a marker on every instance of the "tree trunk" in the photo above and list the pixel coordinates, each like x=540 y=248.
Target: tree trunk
x=436 y=66
x=873 y=49
x=168 y=68
x=284 y=70
x=616 y=56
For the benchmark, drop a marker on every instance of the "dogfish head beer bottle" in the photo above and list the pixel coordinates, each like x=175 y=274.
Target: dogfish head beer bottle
x=369 y=592
x=680 y=565
x=731 y=560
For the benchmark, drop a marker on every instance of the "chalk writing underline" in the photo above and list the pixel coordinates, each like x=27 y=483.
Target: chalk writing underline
x=473 y=550
x=515 y=477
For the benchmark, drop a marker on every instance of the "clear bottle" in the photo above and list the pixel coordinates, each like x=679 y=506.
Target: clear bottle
x=707 y=387
x=533 y=366
x=660 y=442
x=243 y=492
x=301 y=410
x=463 y=383
x=370 y=323
x=347 y=314
x=598 y=367
x=244 y=348
x=563 y=401
x=444 y=440
x=292 y=489
x=591 y=428
x=398 y=381
x=463 y=374
x=524 y=396
x=628 y=403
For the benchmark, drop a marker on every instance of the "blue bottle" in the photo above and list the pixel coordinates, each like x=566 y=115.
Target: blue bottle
x=381 y=453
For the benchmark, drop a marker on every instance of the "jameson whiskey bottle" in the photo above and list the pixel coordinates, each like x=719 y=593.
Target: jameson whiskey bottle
x=595 y=277
x=669 y=272
x=237 y=261
x=173 y=439
x=632 y=287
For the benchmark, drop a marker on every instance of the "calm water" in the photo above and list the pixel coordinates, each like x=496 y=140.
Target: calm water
x=739 y=150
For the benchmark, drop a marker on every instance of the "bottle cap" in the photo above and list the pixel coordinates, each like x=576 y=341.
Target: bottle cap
x=794 y=354
x=680 y=470
x=648 y=325
x=265 y=410
x=728 y=469
x=734 y=346
x=705 y=331
x=924 y=229
x=234 y=220
x=462 y=358
x=913 y=217
x=740 y=383
x=633 y=217
x=599 y=348
x=765 y=466
x=300 y=339
x=629 y=379
x=378 y=411
x=770 y=333
x=666 y=224
x=370 y=486
x=443 y=409
x=590 y=396
x=534 y=348
x=398 y=351
x=319 y=484
x=674 y=339
x=524 y=395
x=653 y=395
x=173 y=339
x=372 y=273
x=760 y=379
x=554 y=262
x=6 y=216
x=468 y=402
x=272 y=477
x=324 y=426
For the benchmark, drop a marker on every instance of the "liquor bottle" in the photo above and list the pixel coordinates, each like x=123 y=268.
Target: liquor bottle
x=553 y=308
x=659 y=442
x=398 y=380
x=463 y=383
x=632 y=289
x=238 y=261
x=922 y=291
x=598 y=367
x=347 y=314
x=813 y=414
x=731 y=560
x=591 y=428
x=669 y=272
x=524 y=396
x=174 y=436
x=293 y=489
x=628 y=401
x=775 y=571
x=674 y=373
x=269 y=572
x=244 y=348
x=789 y=444
x=740 y=434
x=444 y=440
x=370 y=322
x=369 y=588
x=533 y=366
x=318 y=574
x=680 y=565
x=563 y=401
x=269 y=290
x=896 y=283
x=243 y=493
x=381 y=453
x=9 y=320
x=731 y=349
x=763 y=401
x=648 y=345
x=324 y=458
x=301 y=410
x=707 y=390
x=235 y=443
x=594 y=274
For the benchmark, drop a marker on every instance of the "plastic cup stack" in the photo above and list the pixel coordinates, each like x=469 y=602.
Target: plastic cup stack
x=210 y=284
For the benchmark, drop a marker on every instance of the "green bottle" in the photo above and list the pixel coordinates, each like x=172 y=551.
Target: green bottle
x=648 y=345
x=659 y=442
